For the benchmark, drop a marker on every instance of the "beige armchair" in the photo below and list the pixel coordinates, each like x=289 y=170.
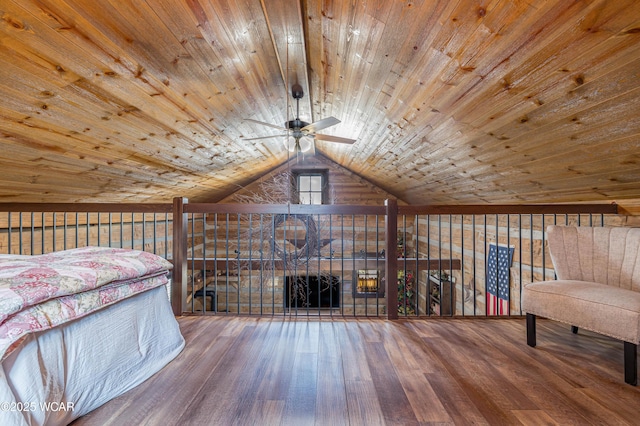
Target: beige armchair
x=597 y=286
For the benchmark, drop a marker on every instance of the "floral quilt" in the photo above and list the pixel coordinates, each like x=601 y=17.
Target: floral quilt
x=40 y=292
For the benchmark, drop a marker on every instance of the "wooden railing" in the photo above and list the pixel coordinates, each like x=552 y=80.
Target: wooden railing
x=34 y=228
x=500 y=249
x=425 y=260
x=393 y=261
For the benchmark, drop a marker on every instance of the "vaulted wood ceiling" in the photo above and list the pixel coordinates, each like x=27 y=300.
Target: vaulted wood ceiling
x=455 y=101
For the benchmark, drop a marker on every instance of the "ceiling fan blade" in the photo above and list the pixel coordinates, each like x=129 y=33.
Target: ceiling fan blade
x=329 y=138
x=265 y=124
x=321 y=124
x=263 y=137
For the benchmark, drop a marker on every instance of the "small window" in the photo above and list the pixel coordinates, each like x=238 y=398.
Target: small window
x=311 y=187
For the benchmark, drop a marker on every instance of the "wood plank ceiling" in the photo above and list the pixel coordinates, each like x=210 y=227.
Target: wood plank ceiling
x=461 y=101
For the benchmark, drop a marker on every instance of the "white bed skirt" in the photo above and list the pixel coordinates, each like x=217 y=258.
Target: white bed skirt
x=61 y=374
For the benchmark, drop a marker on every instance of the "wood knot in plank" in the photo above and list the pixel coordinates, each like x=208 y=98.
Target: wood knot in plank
x=14 y=23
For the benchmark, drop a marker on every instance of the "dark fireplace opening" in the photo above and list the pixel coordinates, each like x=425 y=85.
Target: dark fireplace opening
x=313 y=291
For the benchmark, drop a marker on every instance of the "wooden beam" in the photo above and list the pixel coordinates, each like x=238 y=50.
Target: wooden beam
x=284 y=19
x=511 y=209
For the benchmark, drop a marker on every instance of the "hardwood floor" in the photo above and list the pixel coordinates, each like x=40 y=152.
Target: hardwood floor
x=278 y=371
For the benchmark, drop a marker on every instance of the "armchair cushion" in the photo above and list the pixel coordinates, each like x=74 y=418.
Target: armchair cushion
x=601 y=308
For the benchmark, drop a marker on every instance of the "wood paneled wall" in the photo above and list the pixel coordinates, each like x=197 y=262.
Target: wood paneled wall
x=345 y=187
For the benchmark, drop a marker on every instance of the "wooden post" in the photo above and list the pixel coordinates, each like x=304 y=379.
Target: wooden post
x=391 y=258
x=179 y=275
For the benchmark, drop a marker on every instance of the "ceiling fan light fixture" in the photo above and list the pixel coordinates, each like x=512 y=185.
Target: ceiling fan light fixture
x=304 y=144
x=290 y=143
x=293 y=144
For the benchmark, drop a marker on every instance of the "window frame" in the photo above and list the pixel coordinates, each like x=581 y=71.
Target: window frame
x=324 y=184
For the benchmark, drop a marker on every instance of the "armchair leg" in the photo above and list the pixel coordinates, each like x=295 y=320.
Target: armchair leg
x=631 y=363
x=574 y=329
x=531 y=330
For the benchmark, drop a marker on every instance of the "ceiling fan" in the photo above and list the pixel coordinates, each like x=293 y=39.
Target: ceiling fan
x=300 y=134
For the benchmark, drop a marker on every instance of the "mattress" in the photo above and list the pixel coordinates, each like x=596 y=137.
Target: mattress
x=60 y=374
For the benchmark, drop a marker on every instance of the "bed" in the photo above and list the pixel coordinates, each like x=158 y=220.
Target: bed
x=79 y=328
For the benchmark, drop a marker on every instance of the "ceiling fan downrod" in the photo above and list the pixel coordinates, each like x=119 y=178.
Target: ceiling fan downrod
x=296 y=124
